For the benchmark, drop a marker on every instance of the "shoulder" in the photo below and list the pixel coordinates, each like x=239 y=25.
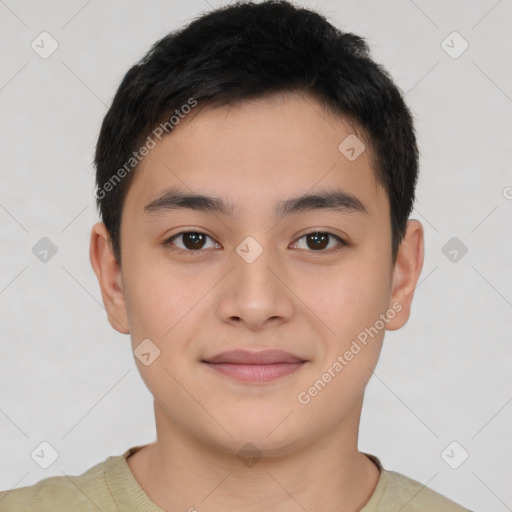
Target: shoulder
x=417 y=497
x=395 y=491
x=88 y=491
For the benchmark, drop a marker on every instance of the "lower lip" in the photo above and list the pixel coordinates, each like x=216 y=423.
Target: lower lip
x=256 y=372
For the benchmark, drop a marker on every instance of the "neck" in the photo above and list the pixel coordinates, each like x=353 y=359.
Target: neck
x=179 y=472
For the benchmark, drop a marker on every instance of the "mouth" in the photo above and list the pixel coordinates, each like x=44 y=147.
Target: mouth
x=262 y=366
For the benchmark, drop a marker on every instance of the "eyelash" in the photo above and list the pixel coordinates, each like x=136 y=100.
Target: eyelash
x=168 y=243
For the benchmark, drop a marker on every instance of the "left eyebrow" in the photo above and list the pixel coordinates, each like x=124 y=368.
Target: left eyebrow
x=335 y=200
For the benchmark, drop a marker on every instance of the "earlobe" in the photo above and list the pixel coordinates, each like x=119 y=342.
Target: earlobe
x=109 y=277
x=407 y=270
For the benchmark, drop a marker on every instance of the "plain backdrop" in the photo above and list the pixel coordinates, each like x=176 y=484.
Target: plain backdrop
x=68 y=379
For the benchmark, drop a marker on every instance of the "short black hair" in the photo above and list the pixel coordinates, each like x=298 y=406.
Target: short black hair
x=248 y=50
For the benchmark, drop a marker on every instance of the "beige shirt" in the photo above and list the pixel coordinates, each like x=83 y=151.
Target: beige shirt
x=110 y=486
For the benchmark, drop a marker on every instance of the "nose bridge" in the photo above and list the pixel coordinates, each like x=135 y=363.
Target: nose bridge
x=252 y=262
x=254 y=292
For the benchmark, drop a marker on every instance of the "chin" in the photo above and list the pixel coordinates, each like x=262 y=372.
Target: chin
x=272 y=438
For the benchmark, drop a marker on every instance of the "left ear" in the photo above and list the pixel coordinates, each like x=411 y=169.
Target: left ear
x=408 y=265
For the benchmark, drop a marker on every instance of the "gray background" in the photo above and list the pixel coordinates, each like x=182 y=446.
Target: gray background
x=66 y=377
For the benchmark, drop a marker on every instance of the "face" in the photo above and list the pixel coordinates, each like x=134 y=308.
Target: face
x=257 y=269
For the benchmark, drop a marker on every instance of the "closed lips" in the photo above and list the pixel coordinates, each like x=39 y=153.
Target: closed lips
x=254 y=358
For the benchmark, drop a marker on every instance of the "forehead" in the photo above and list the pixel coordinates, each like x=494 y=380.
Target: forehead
x=256 y=152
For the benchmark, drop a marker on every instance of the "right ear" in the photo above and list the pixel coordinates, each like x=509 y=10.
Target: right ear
x=109 y=277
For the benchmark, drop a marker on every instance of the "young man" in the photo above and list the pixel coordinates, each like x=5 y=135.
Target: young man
x=255 y=174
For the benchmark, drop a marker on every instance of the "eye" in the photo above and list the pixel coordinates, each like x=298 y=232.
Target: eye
x=318 y=240
x=193 y=241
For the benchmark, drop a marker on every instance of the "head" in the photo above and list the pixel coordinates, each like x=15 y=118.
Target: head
x=288 y=157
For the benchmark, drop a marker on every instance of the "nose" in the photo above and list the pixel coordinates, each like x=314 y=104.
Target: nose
x=255 y=292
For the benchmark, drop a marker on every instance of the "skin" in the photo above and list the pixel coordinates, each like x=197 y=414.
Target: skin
x=294 y=297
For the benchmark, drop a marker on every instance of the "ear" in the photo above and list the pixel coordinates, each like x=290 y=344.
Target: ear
x=406 y=273
x=109 y=277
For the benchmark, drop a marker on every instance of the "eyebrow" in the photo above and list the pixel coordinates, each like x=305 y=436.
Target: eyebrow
x=335 y=200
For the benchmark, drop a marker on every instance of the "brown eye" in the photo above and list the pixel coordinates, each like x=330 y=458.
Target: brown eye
x=192 y=241
x=319 y=240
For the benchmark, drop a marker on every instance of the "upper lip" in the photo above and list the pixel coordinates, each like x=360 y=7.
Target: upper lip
x=263 y=357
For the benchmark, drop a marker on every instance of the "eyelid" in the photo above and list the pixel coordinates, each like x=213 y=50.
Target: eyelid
x=341 y=242
x=169 y=241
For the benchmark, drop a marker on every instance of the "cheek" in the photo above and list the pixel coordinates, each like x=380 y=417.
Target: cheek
x=350 y=304
x=158 y=303
x=147 y=304
x=157 y=294
x=350 y=299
